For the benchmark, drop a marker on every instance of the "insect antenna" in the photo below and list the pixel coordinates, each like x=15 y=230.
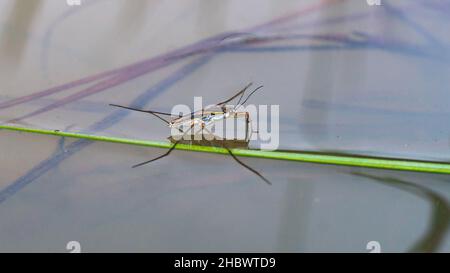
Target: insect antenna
x=155 y=113
x=247 y=167
x=235 y=96
x=242 y=95
x=259 y=87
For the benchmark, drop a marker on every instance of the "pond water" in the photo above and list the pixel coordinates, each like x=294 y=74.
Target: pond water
x=348 y=78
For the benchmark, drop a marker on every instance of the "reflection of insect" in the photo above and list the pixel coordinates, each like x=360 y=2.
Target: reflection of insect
x=203 y=120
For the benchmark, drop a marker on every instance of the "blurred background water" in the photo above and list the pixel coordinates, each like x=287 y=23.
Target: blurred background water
x=349 y=78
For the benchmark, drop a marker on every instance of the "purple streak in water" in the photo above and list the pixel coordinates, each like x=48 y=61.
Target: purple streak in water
x=187 y=50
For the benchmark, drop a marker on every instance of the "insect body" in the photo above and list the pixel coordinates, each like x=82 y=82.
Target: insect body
x=195 y=128
x=204 y=123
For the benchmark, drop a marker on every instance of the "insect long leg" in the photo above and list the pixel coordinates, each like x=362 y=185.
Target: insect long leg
x=167 y=153
x=247 y=167
x=159 y=157
x=240 y=162
x=155 y=113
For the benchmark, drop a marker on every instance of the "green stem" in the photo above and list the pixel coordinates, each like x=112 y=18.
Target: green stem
x=346 y=160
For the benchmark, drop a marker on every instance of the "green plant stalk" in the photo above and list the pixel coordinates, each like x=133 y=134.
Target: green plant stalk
x=345 y=160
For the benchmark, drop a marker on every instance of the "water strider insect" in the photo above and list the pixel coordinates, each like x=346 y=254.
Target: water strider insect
x=203 y=120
